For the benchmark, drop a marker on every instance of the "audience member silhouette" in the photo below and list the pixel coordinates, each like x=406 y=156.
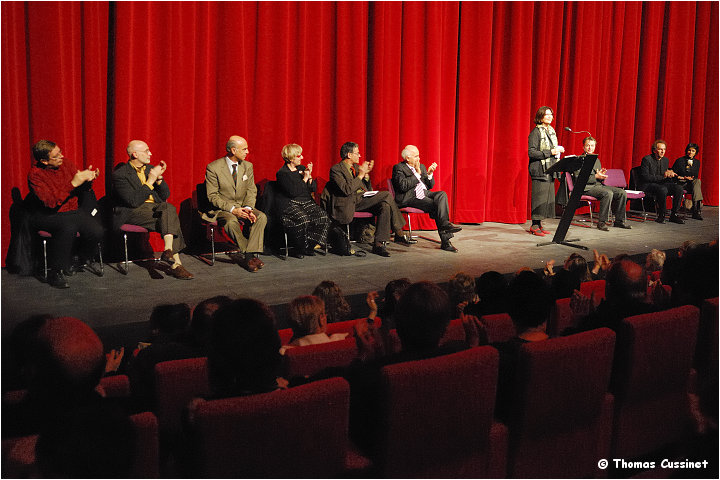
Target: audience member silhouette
x=491 y=289
x=201 y=323
x=336 y=307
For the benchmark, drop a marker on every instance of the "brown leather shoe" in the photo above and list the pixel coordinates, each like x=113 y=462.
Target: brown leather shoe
x=181 y=273
x=257 y=262
x=248 y=265
x=167 y=256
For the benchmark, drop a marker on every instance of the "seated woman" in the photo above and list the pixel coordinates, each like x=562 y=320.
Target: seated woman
x=309 y=322
x=305 y=222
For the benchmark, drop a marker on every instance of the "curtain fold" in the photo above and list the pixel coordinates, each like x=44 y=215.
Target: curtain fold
x=461 y=80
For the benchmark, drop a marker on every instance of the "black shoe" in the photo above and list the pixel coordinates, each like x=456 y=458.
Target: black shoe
x=403 y=240
x=448 y=247
x=57 y=279
x=603 y=226
x=675 y=219
x=660 y=218
x=94 y=267
x=298 y=254
x=319 y=249
x=71 y=271
x=696 y=215
x=380 y=250
x=310 y=252
x=450 y=228
x=622 y=225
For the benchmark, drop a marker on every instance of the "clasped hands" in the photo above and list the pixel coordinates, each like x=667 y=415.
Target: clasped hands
x=365 y=168
x=245 y=214
x=87 y=175
x=156 y=173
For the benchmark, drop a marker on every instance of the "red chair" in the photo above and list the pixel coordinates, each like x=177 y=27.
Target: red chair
x=130 y=228
x=653 y=363
x=347 y=326
x=561 y=318
x=438 y=418
x=560 y=416
x=147 y=457
x=594 y=286
x=311 y=359
x=300 y=432
x=455 y=332
x=176 y=383
x=116 y=386
x=213 y=232
x=406 y=210
x=499 y=327
x=285 y=335
x=585 y=198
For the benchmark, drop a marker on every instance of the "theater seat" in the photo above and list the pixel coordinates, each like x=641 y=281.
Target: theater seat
x=560 y=415
x=297 y=433
x=176 y=383
x=499 y=327
x=439 y=418
x=311 y=359
x=653 y=363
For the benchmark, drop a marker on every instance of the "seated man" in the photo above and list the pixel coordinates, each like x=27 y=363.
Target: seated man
x=140 y=199
x=687 y=169
x=230 y=184
x=60 y=189
x=412 y=183
x=345 y=195
x=657 y=180
x=605 y=194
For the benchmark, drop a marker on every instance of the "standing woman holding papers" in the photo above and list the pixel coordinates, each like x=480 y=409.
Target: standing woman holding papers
x=543 y=151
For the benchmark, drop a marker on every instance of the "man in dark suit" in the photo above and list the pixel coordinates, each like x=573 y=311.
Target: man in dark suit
x=230 y=184
x=412 y=182
x=345 y=193
x=658 y=181
x=140 y=195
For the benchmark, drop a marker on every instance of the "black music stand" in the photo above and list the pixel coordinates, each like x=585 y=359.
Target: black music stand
x=570 y=164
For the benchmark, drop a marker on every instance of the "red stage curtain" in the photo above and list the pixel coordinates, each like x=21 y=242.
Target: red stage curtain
x=461 y=80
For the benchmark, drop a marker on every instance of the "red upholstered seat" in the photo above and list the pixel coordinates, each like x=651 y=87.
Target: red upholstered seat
x=147 y=457
x=499 y=327
x=439 y=418
x=176 y=383
x=561 y=317
x=650 y=380
x=454 y=332
x=300 y=432
x=560 y=416
x=311 y=359
x=116 y=386
x=594 y=286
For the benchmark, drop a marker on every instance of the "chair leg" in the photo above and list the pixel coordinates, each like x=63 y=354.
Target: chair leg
x=127 y=262
x=102 y=266
x=45 y=264
x=212 y=245
x=287 y=247
x=590 y=208
x=410 y=235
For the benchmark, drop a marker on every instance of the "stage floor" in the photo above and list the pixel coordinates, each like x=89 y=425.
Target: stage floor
x=118 y=301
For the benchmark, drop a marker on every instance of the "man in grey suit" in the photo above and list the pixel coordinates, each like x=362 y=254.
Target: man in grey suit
x=231 y=189
x=412 y=182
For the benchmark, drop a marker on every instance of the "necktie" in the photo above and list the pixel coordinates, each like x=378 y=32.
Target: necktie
x=234 y=173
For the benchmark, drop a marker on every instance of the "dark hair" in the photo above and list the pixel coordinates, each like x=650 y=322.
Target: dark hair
x=492 y=288
x=244 y=352
x=692 y=145
x=41 y=150
x=588 y=139
x=625 y=280
x=541 y=113
x=347 y=149
x=656 y=142
x=578 y=267
x=336 y=307
x=201 y=323
x=393 y=291
x=461 y=288
x=422 y=316
x=529 y=300
x=171 y=318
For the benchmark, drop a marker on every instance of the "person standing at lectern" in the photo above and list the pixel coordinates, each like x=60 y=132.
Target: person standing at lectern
x=605 y=194
x=543 y=151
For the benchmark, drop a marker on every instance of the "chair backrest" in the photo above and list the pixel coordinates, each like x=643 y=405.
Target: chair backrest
x=569 y=180
x=176 y=383
x=147 y=448
x=635 y=178
x=285 y=335
x=706 y=353
x=615 y=178
x=391 y=189
x=499 y=327
x=347 y=326
x=300 y=432
x=116 y=386
x=650 y=377
x=200 y=198
x=454 y=332
x=593 y=286
x=311 y=359
x=561 y=317
x=438 y=417
x=561 y=408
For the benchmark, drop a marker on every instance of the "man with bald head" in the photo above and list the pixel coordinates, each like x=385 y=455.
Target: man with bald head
x=412 y=182
x=231 y=190
x=141 y=194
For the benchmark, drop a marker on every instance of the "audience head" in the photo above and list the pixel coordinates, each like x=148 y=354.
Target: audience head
x=336 y=307
x=461 y=288
x=686 y=247
x=625 y=281
x=346 y=149
x=92 y=440
x=693 y=146
x=22 y=345
x=697 y=276
x=422 y=316
x=67 y=360
x=170 y=319
x=491 y=288
x=307 y=315
x=393 y=291
x=290 y=152
x=201 y=323
x=654 y=261
x=529 y=300
x=578 y=267
x=244 y=354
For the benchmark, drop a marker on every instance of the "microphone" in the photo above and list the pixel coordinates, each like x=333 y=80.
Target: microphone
x=568 y=129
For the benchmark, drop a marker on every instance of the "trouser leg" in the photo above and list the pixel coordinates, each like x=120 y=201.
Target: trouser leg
x=256 y=238
x=659 y=192
x=604 y=196
x=379 y=205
